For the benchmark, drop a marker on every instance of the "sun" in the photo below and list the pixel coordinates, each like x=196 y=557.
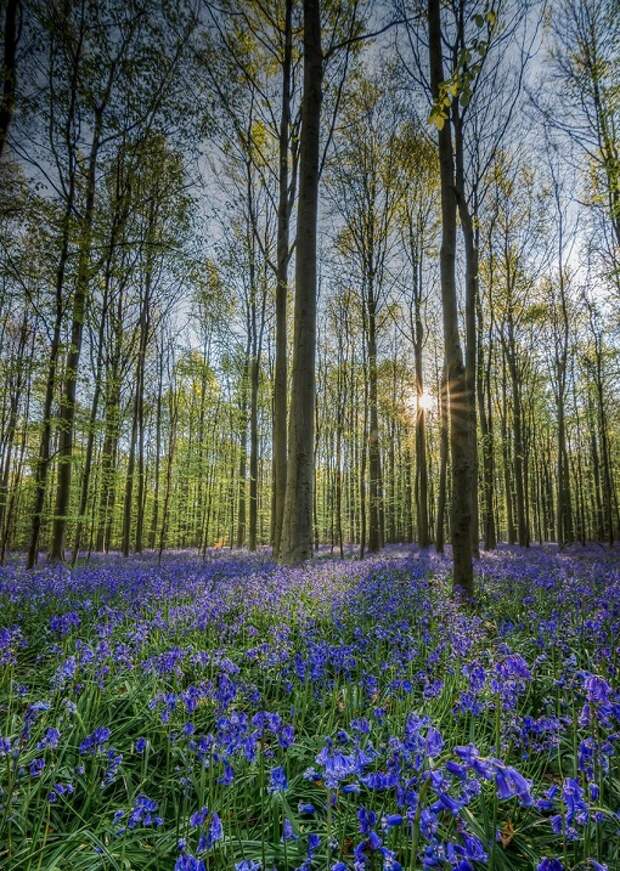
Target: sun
x=426 y=401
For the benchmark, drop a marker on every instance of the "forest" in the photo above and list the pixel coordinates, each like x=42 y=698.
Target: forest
x=309 y=435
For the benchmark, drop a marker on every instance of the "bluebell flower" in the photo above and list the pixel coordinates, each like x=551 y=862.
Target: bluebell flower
x=474 y=848
x=96 y=741
x=277 y=780
x=186 y=862
x=288 y=832
x=36 y=767
x=58 y=790
x=313 y=843
x=143 y=813
x=198 y=818
x=597 y=689
x=114 y=761
x=215 y=832
x=367 y=819
x=50 y=739
x=550 y=865
x=511 y=783
x=286 y=737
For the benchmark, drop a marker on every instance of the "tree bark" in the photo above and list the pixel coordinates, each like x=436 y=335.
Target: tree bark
x=458 y=392
x=280 y=377
x=443 y=464
x=297 y=544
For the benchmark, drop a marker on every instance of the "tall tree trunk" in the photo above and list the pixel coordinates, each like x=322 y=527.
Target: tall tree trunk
x=68 y=399
x=88 y=459
x=108 y=459
x=280 y=379
x=254 y=384
x=243 y=451
x=375 y=494
x=297 y=531
x=8 y=438
x=135 y=423
x=363 y=447
x=469 y=223
x=141 y=470
x=44 y=458
x=158 y=411
x=421 y=467
x=417 y=332
x=172 y=440
x=443 y=463
x=458 y=392
x=485 y=408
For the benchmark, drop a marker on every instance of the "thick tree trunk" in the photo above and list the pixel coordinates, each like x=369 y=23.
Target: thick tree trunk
x=471 y=357
x=297 y=530
x=458 y=392
x=280 y=377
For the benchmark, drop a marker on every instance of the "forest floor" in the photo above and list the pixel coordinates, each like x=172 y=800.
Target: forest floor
x=229 y=713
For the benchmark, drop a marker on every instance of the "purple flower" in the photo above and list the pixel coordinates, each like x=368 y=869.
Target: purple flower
x=391 y=820
x=288 y=832
x=286 y=737
x=277 y=780
x=511 y=783
x=95 y=741
x=36 y=767
x=197 y=819
x=550 y=865
x=50 y=739
x=597 y=689
x=216 y=831
x=185 y=862
x=142 y=813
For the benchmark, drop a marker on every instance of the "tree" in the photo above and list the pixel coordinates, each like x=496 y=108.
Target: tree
x=297 y=530
x=459 y=413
